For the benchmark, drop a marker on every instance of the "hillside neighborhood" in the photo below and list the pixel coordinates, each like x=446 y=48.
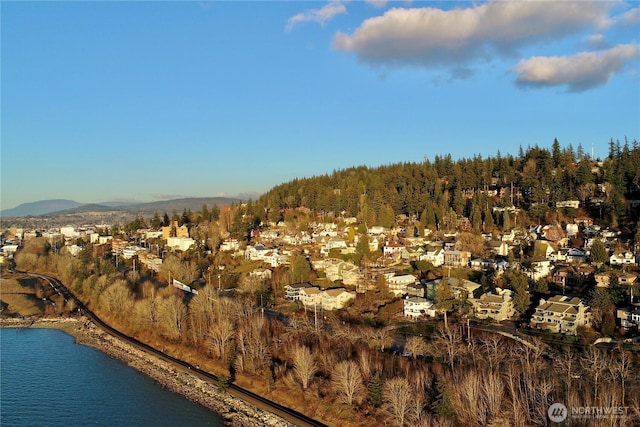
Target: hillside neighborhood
x=562 y=274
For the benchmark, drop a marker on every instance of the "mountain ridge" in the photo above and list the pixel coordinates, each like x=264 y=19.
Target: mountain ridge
x=66 y=206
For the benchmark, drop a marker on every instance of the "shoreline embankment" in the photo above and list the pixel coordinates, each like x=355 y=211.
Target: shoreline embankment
x=235 y=412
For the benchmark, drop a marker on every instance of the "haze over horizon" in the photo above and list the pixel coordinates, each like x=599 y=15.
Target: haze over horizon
x=149 y=101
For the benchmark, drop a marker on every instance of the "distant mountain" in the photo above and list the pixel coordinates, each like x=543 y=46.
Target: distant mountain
x=52 y=208
x=41 y=207
x=179 y=205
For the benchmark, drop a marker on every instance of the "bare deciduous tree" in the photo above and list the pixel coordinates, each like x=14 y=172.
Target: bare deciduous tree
x=347 y=380
x=396 y=394
x=416 y=346
x=305 y=366
x=172 y=316
x=220 y=334
x=117 y=298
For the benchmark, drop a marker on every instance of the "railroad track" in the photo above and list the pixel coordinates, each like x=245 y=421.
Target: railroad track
x=241 y=393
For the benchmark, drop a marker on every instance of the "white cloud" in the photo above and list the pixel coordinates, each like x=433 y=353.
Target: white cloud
x=597 y=41
x=431 y=37
x=631 y=17
x=320 y=16
x=377 y=3
x=579 y=72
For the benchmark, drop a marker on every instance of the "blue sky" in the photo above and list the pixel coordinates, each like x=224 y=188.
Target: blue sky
x=146 y=101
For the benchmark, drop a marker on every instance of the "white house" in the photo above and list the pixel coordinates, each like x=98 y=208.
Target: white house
x=261 y=273
x=622 y=258
x=180 y=243
x=129 y=252
x=230 y=245
x=392 y=250
x=398 y=284
x=416 y=306
x=435 y=257
x=539 y=269
x=69 y=232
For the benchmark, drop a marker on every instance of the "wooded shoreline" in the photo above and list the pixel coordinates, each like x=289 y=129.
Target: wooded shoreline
x=235 y=412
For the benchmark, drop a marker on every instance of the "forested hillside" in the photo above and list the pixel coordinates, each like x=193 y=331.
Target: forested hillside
x=439 y=190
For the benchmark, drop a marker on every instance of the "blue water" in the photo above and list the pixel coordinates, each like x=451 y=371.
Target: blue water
x=48 y=380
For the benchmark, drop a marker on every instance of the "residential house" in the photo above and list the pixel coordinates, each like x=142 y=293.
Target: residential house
x=151 y=261
x=180 y=243
x=576 y=256
x=230 y=245
x=605 y=278
x=292 y=292
x=417 y=307
x=416 y=289
x=411 y=254
x=173 y=230
x=398 y=284
x=484 y=264
x=434 y=256
x=497 y=306
x=261 y=273
x=561 y=314
x=458 y=259
x=334 y=299
x=392 y=250
x=350 y=274
x=627 y=278
x=310 y=296
x=462 y=289
x=129 y=252
x=629 y=317
x=256 y=253
x=539 y=269
x=622 y=258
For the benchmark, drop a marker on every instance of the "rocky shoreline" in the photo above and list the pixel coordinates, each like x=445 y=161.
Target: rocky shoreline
x=235 y=412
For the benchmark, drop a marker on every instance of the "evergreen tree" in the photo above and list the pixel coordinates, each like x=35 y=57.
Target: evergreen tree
x=599 y=253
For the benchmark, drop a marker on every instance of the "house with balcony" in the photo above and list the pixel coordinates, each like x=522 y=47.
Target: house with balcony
x=416 y=307
x=457 y=259
x=398 y=284
x=497 y=306
x=629 y=317
x=292 y=292
x=561 y=314
x=230 y=245
x=310 y=296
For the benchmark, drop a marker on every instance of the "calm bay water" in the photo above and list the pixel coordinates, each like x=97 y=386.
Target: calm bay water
x=48 y=380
